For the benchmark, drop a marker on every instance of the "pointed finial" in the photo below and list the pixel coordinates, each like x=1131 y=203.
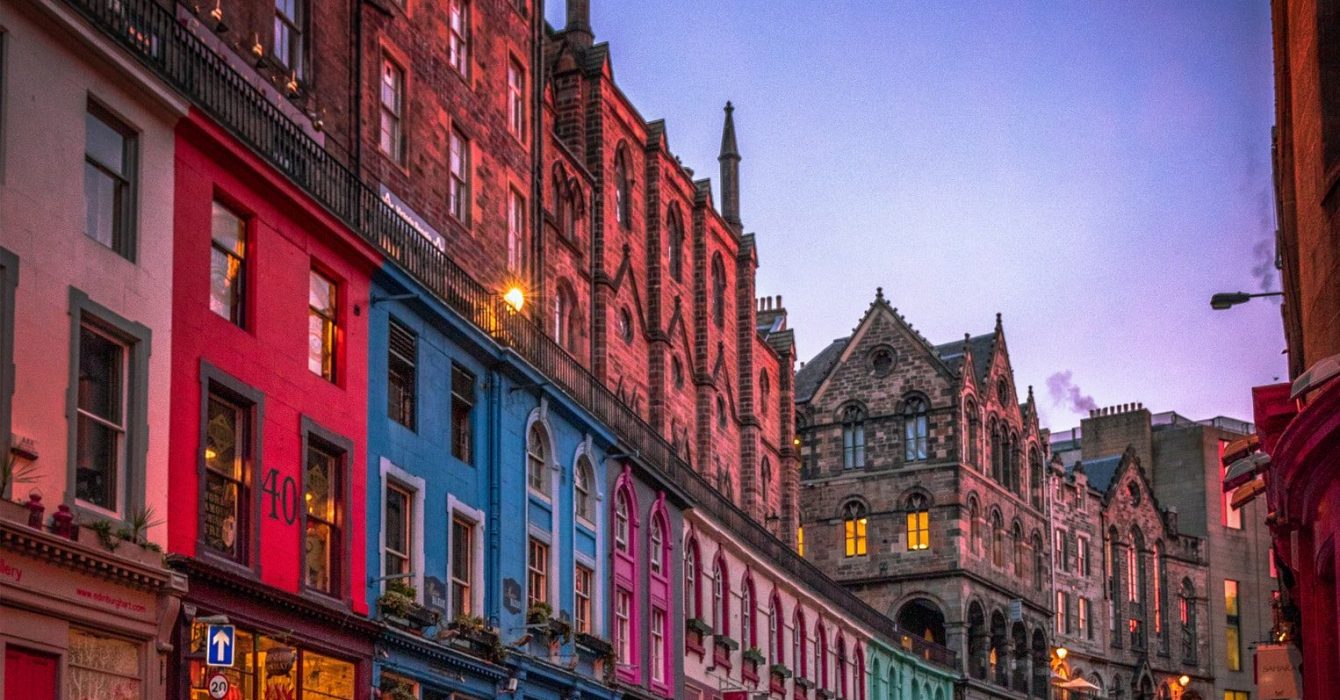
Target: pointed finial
x=997 y=319
x=879 y=294
x=728 y=146
x=1030 y=393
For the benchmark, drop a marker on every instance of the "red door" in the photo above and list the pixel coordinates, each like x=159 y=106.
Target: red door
x=29 y=675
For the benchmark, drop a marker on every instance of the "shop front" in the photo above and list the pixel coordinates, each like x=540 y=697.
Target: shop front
x=284 y=646
x=79 y=620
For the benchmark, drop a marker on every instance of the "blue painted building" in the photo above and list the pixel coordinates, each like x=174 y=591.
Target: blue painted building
x=486 y=512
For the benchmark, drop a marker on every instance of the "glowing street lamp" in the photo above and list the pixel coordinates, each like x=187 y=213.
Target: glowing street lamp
x=515 y=298
x=1061 y=653
x=1184 y=680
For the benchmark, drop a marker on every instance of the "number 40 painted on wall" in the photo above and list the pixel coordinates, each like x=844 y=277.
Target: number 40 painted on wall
x=283 y=496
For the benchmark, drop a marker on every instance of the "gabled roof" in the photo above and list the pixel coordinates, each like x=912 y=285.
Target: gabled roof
x=812 y=373
x=1100 y=471
x=982 y=345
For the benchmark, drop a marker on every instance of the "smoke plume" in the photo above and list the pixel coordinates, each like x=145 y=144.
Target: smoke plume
x=1066 y=393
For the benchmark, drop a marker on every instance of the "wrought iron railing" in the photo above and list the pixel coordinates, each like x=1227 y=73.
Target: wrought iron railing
x=167 y=47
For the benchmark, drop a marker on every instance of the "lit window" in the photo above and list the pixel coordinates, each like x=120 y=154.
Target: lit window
x=537 y=460
x=1229 y=516
x=918 y=522
x=226 y=494
x=537 y=573
x=516 y=99
x=323 y=483
x=800 y=541
x=322 y=328
x=462 y=566
x=401 y=374
x=392 y=110
x=458 y=44
x=582 y=591
x=289 y=46
x=854 y=521
x=1237 y=695
x=227 y=265
x=399 y=531
x=109 y=181
x=1233 y=630
x=458 y=195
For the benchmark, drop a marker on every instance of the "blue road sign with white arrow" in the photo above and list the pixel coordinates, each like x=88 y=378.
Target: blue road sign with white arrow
x=219 y=645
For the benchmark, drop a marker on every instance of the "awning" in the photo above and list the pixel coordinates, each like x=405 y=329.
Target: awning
x=1248 y=491
x=1244 y=470
x=1077 y=684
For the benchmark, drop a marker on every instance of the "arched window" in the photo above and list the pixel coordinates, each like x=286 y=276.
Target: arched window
x=1039 y=561
x=1186 y=613
x=855 y=517
x=973 y=452
x=1017 y=533
x=565 y=317
x=677 y=372
x=997 y=539
x=798 y=656
x=537 y=459
x=853 y=437
x=820 y=656
x=766 y=471
x=1157 y=585
x=622 y=527
x=764 y=386
x=693 y=601
x=720 y=599
x=571 y=214
x=656 y=542
x=914 y=430
x=1016 y=471
x=1035 y=477
x=718 y=291
x=996 y=452
x=748 y=631
x=841 y=666
x=775 y=644
x=974 y=524
x=859 y=677
x=977 y=641
x=675 y=244
x=582 y=479
x=918 y=522
x=721 y=412
x=622 y=187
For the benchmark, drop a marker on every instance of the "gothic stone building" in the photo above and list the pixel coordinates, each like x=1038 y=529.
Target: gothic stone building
x=1130 y=600
x=923 y=491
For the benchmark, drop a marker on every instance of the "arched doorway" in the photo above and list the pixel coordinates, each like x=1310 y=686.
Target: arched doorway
x=924 y=619
x=977 y=641
x=1019 y=660
x=1000 y=653
x=1041 y=664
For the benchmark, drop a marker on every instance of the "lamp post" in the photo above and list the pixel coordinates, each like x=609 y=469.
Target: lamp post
x=1227 y=300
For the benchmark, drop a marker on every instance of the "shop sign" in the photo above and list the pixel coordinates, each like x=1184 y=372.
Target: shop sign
x=1277 y=672
x=512 y=595
x=219 y=645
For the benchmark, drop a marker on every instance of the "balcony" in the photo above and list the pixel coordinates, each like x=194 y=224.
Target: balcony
x=165 y=46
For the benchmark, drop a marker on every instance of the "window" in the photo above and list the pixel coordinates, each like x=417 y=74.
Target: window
x=462 y=402
x=582 y=595
x=914 y=430
x=1017 y=540
x=399 y=531
x=748 y=636
x=1082 y=552
x=621 y=524
x=997 y=539
x=622 y=207
x=324 y=489
x=582 y=478
x=313 y=676
x=677 y=372
x=289 y=47
x=226 y=496
x=774 y=632
x=720 y=603
x=841 y=667
x=1237 y=695
x=918 y=522
x=322 y=325
x=974 y=524
x=1058 y=550
x=676 y=245
x=1062 y=612
x=974 y=429
x=109 y=181
x=1085 y=630
x=458 y=43
x=1233 y=630
x=658 y=655
x=227 y=265
x=798 y=645
x=881 y=361
x=537 y=573
x=401 y=374
x=854 y=520
x=1039 y=561
x=721 y=414
x=1229 y=516
x=100 y=432
x=800 y=540
x=516 y=99
x=102 y=667
x=517 y=249
x=625 y=325
x=392 y=110
x=623 y=626
x=718 y=291
x=565 y=317
x=853 y=437
x=458 y=192
x=537 y=460
x=693 y=607
x=657 y=538
x=463 y=566
x=1186 y=614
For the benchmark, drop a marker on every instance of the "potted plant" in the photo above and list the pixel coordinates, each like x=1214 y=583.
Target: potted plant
x=824 y=694
x=593 y=646
x=472 y=634
x=538 y=613
x=393 y=688
x=753 y=658
x=396 y=602
x=777 y=675
x=804 y=683
x=695 y=630
x=722 y=646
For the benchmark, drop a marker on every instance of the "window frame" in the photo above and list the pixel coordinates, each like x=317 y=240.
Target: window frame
x=544 y=458
x=462 y=414
x=407 y=413
x=916 y=429
x=415 y=487
x=459 y=182
x=137 y=340
x=9 y=282
x=583 y=498
x=214 y=380
x=342 y=448
x=473 y=521
x=296 y=27
x=918 y=508
x=330 y=328
x=125 y=239
x=537 y=571
x=518 y=242
x=583 y=620
x=517 y=117
x=459 y=37
x=240 y=309
x=392 y=114
x=855 y=529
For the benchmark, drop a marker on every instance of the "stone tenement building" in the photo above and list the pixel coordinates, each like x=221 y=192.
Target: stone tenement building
x=1130 y=598
x=1182 y=462
x=923 y=492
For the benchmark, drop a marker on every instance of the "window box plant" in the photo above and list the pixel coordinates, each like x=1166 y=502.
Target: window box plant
x=753 y=659
x=538 y=613
x=722 y=646
x=399 y=607
x=472 y=635
x=804 y=683
x=695 y=630
x=824 y=694
x=593 y=646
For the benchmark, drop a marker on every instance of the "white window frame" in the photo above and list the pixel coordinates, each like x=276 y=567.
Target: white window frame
x=417 y=487
x=455 y=509
x=122 y=495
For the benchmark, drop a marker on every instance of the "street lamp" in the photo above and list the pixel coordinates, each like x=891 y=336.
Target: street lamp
x=1061 y=653
x=1227 y=300
x=515 y=298
x=1184 y=680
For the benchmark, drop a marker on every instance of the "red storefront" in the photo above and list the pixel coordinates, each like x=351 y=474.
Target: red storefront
x=268 y=432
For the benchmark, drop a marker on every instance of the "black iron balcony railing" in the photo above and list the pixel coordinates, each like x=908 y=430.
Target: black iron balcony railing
x=172 y=51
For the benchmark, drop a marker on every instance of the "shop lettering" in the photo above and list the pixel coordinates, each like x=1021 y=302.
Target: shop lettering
x=118 y=603
x=9 y=571
x=283 y=496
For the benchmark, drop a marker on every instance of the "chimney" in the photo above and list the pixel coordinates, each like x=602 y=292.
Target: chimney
x=1108 y=431
x=579 y=22
x=730 y=171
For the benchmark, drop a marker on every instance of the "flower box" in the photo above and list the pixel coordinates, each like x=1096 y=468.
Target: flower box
x=593 y=646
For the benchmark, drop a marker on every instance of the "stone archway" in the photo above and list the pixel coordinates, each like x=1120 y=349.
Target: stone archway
x=923 y=618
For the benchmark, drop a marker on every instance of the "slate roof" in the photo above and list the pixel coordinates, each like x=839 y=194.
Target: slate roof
x=812 y=374
x=1101 y=471
x=952 y=354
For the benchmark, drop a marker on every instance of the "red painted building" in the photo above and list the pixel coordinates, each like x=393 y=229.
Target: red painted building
x=267 y=452
x=1299 y=424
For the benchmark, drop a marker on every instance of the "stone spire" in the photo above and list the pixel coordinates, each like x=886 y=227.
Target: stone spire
x=730 y=170
x=579 y=22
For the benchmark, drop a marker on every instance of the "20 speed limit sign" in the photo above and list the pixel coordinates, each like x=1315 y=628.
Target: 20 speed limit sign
x=218 y=686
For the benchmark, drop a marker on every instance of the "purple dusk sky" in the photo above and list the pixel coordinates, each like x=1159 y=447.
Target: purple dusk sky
x=1092 y=170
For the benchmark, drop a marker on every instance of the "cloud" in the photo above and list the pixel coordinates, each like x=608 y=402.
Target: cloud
x=1263 y=267
x=1066 y=393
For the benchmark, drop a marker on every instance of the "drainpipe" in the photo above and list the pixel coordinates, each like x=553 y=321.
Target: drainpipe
x=537 y=82
x=356 y=87
x=493 y=548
